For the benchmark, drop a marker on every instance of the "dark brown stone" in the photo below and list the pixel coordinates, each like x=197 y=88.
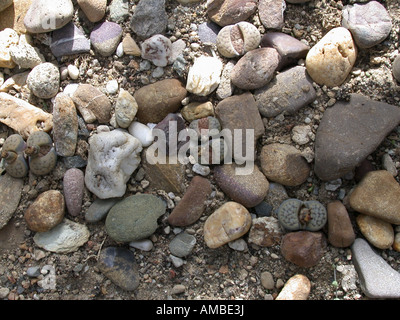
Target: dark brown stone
x=340 y=229
x=192 y=205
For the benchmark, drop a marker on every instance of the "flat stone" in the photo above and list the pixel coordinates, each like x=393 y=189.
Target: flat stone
x=10 y=195
x=377 y=279
x=226 y=12
x=65 y=237
x=48 y=15
x=134 y=217
x=99 y=209
x=340 y=230
x=288 y=92
x=68 y=40
x=248 y=190
x=255 y=69
x=377 y=195
x=297 y=287
x=271 y=13
x=330 y=61
x=46 y=211
x=157 y=100
x=377 y=232
x=369 y=23
x=229 y=222
x=44 y=80
x=149 y=18
x=93 y=9
x=349 y=132
x=192 y=205
x=73 y=186
x=105 y=37
x=182 y=245
x=266 y=232
x=65 y=131
x=303 y=248
x=119 y=265
x=284 y=164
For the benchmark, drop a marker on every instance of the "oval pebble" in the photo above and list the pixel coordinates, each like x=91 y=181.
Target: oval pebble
x=144 y=245
x=73 y=185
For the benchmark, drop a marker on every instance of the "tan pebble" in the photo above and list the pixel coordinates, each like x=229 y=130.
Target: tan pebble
x=197 y=110
x=297 y=287
x=93 y=9
x=378 y=232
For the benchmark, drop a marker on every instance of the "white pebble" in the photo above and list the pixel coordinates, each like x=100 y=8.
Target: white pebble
x=112 y=86
x=120 y=50
x=144 y=245
x=142 y=132
x=73 y=72
x=200 y=169
x=71 y=88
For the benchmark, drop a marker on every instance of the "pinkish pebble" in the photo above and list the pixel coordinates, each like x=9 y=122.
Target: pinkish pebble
x=73 y=190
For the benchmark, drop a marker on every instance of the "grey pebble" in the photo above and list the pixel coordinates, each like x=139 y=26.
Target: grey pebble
x=182 y=245
x=99 y=209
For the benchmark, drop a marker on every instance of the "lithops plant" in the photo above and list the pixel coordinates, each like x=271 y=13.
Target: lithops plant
x=235 y=40
x=294 y=215
x=41 y=152
x=12 y=153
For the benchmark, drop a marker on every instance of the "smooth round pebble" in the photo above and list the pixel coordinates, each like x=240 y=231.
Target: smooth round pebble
x=112 y=86
x=73 y=72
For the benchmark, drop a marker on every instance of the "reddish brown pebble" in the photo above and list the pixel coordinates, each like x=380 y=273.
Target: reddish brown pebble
x=340 y=229
x=192 y=205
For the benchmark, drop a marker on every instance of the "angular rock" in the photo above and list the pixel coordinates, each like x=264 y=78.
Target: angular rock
x=157 y=100
x=65 y=131
x=377 y=278
x=226 y=12
x=283 y=163
x=130 y=46
x=8 y=38
x=93 y=9
x=226 y=87
x=25 y=55
x=105 y=37
x=377 y=232
x=330 y=61
x=255 y=69
x=23 y=117
x=134 y=218
x=265 y=232
x=69 y=40
x=113 y=157
x=119 y=265
x=340 y=230
x=248 y=190
x=229 y=222
x=46 y=211
x=297 y=287
x=377 y=195
x=271 y=13
x=349 y=132
x=66 y=237
x=157 y=49
x=149 y=18
x=92 y=104
x=288 y=92
x=369 y=23
x=182 y=245
x=44 y=80
x=73 y=186
x=303 y=248
x=48 y=15
x=192 y=205
x=10 y=195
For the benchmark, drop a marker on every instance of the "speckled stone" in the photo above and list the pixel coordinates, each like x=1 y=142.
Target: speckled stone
x=271 y=13
x=44 y=80
x=266 y=232
x=149 y=18
x=73 y=186
x=105 y=37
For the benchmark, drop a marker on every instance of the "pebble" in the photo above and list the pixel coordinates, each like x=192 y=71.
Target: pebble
x=130 y=46
x=366 y=121
x=263 y=209
x=227 y=12
x=149 y=18
x=248 y=190
x=10 y=195
x=73 y=71
x=291 y=90
x=206 y=127
x=396 y=68
x=182 y=245
x=178 y=289
x=33 y=272
x=330 y=61
x=271 y=13
x=4 y=292
x=373 y=28
x=204 y=75
x=134 y=218
x=92 y=104
x=99 y=209
x=267 y=280
x=65 y=131
x=155 y=101
x=112 y=86
x=389 y=165
x=48 y=15
x=105 y=37
x=73 y=186
x=192 y=205
x=93 y=9
x=44 y=80
x=142 y=132
x=377 y=232
x=225 y=88
x=25 y=55
x=208 y=32
x=119 y=265
x=229 y=222
x=166 y=131
x=157 y=49
x=125 y=109
x=119 y=10
x=303 y=248
x=177 y=262
x=65 y=237
x=197 y=110
x=255 y=69
x=301 y=134
x=378 y=280
x=113 y=157
x=238 y=245
x=340 y=229
x=143 y=245
x=283 y=163
x=69 y=40
x=298 y=287
x=265 y=232
x=8 y=38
